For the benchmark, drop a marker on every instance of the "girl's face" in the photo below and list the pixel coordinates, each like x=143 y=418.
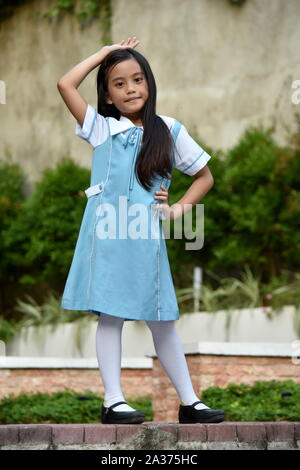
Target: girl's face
x=127 y=89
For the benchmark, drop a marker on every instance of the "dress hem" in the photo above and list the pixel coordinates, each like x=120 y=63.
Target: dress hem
x=98 y=311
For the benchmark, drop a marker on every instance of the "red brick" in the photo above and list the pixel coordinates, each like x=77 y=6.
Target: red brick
x=297 y=430
x=283 y=431
x=34 y=433
x=192 y=432
x=126 y=431
x=67 y=433
x=221 y=432
x=251 y=431
x=9 y=434
x=171 y=428
x=148 y=424
x=14 y=381
x=97 y=433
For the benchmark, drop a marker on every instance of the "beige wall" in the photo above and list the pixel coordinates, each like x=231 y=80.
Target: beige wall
x=219 y=68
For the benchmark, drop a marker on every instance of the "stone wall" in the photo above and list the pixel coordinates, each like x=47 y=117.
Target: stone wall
x=219 y=68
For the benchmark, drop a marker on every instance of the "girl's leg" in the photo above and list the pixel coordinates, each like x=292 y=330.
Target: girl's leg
x=171 y=355
x=109 y=353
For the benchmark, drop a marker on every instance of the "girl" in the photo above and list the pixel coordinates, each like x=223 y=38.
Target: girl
x=126 y=276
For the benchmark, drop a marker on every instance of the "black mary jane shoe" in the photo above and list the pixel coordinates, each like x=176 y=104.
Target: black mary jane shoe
x=189 y=414
x=108 y=416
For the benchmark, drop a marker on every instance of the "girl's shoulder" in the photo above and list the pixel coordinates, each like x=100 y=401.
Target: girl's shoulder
x=189 y=156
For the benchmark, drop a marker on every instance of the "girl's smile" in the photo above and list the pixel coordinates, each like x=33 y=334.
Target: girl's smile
x=131 y=99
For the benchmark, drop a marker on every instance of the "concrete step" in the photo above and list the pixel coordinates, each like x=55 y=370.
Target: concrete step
x=152 y=435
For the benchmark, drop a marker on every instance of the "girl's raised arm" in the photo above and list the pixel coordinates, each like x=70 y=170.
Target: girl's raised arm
x=68 y=83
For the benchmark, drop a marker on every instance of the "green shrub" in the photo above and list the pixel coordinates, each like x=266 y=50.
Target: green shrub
x=262 y=401
x=41 y=240
x=66 y=406
x=11 y=198
x=252 y=213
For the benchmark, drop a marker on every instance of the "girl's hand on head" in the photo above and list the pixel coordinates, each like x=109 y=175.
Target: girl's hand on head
x=129 y=43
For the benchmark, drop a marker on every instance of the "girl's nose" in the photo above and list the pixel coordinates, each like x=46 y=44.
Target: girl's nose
x=130 y=87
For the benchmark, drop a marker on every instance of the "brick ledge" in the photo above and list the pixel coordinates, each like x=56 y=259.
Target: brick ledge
x=27 y=362
x=230 y=434
x=234 y=348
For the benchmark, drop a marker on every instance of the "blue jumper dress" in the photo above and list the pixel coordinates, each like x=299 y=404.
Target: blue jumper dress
x=120 y=264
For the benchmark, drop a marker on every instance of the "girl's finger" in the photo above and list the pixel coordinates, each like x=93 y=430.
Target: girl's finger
x=131 y=42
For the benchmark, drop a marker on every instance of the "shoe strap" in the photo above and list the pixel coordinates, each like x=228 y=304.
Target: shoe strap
x=116 y=404
x=196 y=402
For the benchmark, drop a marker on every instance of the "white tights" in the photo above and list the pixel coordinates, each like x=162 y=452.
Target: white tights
x=168 y=349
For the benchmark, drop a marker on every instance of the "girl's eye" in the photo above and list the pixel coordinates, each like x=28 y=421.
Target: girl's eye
x=121 y=83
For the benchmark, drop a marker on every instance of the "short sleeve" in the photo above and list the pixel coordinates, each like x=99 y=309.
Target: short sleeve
x=189 y=156
x=94 y=129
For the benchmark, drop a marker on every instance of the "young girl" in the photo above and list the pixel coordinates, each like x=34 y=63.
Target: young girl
x=123 y=274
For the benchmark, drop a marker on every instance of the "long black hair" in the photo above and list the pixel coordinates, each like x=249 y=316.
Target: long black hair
x=156 y=153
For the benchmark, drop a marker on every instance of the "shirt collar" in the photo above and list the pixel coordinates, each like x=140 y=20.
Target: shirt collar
x=116 y=126
x=120 y=126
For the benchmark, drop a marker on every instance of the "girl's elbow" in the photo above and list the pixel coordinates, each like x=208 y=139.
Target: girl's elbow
x=60 y=84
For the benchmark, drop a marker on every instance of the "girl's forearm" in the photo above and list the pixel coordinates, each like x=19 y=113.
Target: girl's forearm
x=193 y=195
x=78 y=73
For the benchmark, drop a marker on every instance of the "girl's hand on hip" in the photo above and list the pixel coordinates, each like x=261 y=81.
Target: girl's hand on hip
x=129 y=43
x=164 y=206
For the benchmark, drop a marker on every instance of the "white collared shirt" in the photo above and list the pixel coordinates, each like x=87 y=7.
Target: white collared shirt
x=190 y=157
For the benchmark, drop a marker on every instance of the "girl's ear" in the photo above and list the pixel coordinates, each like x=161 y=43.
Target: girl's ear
x=108 y=99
